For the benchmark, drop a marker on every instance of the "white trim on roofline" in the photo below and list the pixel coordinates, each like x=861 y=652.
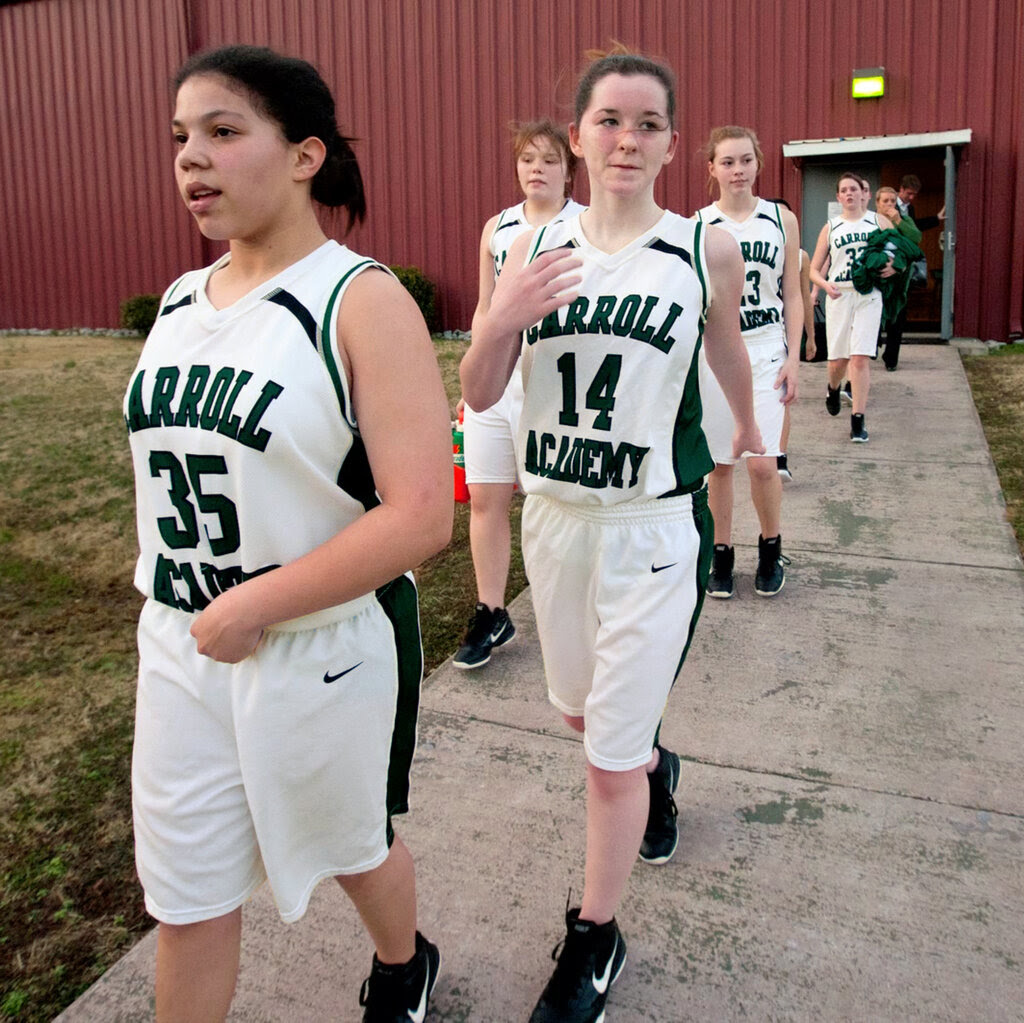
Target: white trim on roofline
x=875 y=143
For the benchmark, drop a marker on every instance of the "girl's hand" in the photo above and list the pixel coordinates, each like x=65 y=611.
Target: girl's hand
x=832 y=291
x=526 y=295
x=810 y=348
x=222 y=630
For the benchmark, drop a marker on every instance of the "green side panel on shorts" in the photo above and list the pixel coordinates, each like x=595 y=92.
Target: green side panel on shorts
x=705 y=526
x=400 y=603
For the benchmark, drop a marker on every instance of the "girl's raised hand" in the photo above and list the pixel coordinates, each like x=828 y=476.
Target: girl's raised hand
x=524 y=295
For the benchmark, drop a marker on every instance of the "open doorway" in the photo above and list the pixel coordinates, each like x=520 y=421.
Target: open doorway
x=924 y=305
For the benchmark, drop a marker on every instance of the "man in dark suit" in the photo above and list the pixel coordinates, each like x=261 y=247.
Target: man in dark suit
x=910 y=186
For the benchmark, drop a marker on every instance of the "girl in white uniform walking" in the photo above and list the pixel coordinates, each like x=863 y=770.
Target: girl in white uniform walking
x=545 y=167
x=771 y=322
x=609 y=309
x=292 y=463
x=852 y=320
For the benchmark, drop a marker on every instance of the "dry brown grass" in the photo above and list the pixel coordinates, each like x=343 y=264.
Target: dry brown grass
x=997 y=382
x=70 y=904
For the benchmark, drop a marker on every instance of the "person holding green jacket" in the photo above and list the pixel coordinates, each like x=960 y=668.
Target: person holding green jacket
x=885 y=203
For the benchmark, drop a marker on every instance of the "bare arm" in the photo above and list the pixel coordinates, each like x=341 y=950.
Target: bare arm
x=522 y=296
x=723 y=344
x=818 y=261
x=811 y=348
x=792 y=309
x=403 y=416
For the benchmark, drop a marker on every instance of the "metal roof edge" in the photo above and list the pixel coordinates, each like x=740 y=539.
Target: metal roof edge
x=874 y=143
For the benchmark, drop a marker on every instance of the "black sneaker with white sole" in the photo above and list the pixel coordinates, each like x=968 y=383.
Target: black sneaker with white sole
x=846 y=393
x=833 y=403
x=401 y=993
x=782 y=464
x=720 y=583
x=487 y=629
x=770 y=576
x=857 y=432
x=662 y=834
x=589 y=960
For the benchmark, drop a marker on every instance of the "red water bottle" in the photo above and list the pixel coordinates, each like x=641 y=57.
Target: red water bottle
x=459 y=458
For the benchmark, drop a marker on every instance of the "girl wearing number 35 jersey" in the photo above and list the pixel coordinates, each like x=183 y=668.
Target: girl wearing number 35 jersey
x=292 y=464
x=608 y=310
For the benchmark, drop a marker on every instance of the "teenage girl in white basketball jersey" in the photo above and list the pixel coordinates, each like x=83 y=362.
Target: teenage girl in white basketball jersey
x=612 y=457
x=545 y=167
x=292 y=463
x=852 y=320
x=771 y=322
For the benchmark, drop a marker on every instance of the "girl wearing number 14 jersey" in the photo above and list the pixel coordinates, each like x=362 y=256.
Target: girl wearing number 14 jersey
x=608 y=310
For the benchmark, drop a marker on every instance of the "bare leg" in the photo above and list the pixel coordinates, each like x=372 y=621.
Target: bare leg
x=784 y=438
x=490 y=539
x=720 y=501
x=766 y=493
x=860 y=381
x=617 y=804
x=196 y=969
x=836 y=371
x=385 y=898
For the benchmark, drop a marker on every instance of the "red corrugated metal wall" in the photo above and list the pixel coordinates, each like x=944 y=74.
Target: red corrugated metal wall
x=429 y=86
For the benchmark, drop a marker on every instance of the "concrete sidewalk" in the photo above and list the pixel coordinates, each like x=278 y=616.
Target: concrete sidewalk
x=852 y=805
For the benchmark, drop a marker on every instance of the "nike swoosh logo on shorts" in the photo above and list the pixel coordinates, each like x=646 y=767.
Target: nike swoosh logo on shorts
x=420 y=1013
x=328 y=677
x=661 y=568
x=601 y=983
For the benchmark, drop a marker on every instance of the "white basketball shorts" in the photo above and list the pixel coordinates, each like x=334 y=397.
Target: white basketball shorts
x=852 y=322
x=488 y=436
x=766 y=359
x=617 y=592
x=284 y=766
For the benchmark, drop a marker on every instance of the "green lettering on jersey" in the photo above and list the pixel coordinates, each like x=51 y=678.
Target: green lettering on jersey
x=251 y=435
x=595 y=464
x=135 y=418
x=599 y=321
x=641 y=331
x=217 y=393
x=229 y=424
x=195 y=385
x=625 y=315
x=574 y=323
x=160 y=412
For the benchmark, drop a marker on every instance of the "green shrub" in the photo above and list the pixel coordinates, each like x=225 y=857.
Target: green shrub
x=139 y=312
x=423 y=291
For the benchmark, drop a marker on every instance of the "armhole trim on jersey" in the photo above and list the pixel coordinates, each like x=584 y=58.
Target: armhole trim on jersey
x=328 y=338
x=699 y=267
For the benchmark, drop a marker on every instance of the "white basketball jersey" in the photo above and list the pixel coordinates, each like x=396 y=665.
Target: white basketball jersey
x=612 y=407
x=762 y=241
x=846 y=241
x=512 y=223
x=246 y=449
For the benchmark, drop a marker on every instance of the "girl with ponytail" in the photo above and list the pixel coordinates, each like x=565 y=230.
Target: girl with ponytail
x=293 y=464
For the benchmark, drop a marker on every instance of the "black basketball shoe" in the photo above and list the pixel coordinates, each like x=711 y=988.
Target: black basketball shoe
x=589 y=960
x=398 y=994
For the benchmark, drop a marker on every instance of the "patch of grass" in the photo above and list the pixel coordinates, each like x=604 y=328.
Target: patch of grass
x=997 y=385
x=70 y=903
